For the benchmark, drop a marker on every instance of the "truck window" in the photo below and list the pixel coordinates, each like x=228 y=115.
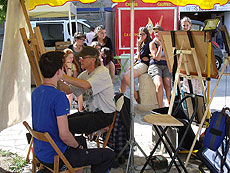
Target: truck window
x=51 y=33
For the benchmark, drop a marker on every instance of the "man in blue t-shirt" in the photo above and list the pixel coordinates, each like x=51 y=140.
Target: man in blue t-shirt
x=50 y=108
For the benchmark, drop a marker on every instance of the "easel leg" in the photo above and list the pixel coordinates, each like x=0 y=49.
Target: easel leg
x=177 y=78
x=227 y=61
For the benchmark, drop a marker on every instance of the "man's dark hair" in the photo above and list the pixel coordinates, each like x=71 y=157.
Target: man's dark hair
x=50 y=63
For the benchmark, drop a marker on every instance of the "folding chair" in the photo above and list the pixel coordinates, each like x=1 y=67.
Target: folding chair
x=105 y=141
x=46 y=138
x=159 y=120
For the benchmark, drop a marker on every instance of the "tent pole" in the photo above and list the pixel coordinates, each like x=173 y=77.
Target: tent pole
x=70 y=25
x=131 y=167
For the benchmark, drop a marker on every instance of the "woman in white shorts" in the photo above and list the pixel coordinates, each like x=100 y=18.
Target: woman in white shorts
x=142 y=57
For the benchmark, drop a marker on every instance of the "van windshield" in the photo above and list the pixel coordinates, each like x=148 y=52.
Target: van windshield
x=83 y=26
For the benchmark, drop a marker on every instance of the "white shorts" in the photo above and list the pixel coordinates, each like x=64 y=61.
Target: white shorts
x=141 y=68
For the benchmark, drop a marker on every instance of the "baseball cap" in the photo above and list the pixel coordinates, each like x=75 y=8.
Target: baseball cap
x=158 y=27
x=88 y=50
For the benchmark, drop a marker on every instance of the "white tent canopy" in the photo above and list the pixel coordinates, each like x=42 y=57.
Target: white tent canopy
x=46 y=11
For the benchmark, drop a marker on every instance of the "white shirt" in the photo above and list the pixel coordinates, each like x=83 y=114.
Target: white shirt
x=101 y=94
x=89 y=37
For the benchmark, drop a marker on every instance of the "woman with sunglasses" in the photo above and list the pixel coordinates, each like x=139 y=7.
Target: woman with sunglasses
x=142 y=57
x=77 y=46
x=100 y=36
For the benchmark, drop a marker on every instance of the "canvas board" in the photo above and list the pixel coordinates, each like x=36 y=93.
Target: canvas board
x=200 y=40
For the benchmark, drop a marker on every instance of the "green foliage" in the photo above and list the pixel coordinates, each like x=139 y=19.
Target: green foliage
x=16 y=162
x=3 y=8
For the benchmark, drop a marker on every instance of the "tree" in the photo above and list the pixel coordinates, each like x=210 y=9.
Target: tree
x=3 y=8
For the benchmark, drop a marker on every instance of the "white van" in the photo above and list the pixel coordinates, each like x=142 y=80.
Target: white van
x=58 y=30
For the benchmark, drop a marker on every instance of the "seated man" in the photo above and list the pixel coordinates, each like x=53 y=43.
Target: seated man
x=96 y=86
x=50 y=108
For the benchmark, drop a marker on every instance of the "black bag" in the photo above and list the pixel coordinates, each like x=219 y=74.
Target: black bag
x=159 y=162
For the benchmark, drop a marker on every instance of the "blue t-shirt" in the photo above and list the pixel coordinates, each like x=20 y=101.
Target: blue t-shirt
x=47 y=104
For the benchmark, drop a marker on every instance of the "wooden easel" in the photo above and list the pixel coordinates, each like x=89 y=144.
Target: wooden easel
x=226 y=38
x=34 y=46
x=188 y=46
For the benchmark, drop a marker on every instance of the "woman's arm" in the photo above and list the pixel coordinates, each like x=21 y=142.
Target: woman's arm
x=112 y=70
x=139 y=42
x=155 y=52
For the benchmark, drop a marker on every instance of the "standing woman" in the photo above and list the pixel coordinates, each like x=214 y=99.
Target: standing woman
x=100 y=36
x=186 y=24
x=158 y=68
x=76 y=47
x=69 y=69
x=142 y=56
x=107 y=56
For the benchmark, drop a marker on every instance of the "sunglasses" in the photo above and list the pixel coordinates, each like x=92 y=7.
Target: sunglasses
x=141 y=34
x=84 y=57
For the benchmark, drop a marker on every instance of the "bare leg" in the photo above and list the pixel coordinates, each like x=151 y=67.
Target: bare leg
x=80 y=103
x=159 y=90
x=126 y=81
x=167 y=86
x=70 y=97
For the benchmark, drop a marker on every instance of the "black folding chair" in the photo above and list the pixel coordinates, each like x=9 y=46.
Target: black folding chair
x=159 y=120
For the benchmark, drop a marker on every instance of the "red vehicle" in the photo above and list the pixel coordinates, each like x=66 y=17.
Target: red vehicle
x=146 y=14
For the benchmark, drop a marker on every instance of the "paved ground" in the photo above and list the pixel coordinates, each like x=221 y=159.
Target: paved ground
x=14 y=139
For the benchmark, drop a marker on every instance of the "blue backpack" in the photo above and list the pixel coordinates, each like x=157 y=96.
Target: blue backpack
x=215 y=133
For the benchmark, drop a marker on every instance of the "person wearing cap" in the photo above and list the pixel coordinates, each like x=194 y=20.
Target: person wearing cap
x=50 y=112
x=158 y=68
x=96 y=86
x=77 y=46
